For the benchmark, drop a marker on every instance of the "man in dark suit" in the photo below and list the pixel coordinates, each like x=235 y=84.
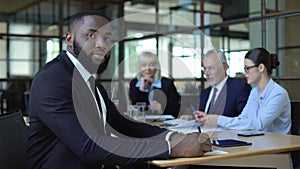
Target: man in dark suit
x=72 y=119
x=231 y=94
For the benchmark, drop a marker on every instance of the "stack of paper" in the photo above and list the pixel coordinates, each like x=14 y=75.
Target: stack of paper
x=185 y=126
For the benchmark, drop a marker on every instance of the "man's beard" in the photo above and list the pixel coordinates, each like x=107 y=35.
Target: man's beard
x=76 y=48
x=87 y=62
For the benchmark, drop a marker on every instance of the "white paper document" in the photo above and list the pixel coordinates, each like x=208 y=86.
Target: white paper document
x=185 y=126
x=158 y=117
x=215 y=152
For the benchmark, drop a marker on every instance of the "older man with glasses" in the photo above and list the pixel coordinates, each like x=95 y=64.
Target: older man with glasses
x=225 y=96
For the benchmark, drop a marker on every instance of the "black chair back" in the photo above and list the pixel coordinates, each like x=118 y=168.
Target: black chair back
x=13 y=141
x=295 y=110
x=295 y=129
x=26 y=103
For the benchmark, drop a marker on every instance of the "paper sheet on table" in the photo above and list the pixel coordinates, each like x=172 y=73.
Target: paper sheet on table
x=185 y=126
x=215 y=152
x=158 y=117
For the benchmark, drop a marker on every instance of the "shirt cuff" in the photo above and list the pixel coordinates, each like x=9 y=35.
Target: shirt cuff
x=167 y=138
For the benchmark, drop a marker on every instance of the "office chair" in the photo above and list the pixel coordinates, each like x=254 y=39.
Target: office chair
x=26 y=103
x=295 y=129
x=13 y=142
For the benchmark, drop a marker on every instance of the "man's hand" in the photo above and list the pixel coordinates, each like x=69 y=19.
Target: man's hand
x=189 y=145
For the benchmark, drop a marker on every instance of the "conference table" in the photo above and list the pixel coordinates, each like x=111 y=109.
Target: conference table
x=268 y=150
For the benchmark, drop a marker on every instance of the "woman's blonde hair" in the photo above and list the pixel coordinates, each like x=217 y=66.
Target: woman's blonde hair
x=148 y=57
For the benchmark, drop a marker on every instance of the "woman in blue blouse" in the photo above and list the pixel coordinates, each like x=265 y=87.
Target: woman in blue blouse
x=268 y=107
x=159 y=93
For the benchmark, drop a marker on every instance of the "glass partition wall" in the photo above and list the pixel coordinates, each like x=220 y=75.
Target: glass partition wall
x=178 y=31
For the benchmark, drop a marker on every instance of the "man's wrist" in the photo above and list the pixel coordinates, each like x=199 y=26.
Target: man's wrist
x=169 y=138
x=176 y=138
x=172 y=135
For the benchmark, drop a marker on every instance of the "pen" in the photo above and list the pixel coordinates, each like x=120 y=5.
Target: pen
x=194 y=112
x=199 y=129
x=193 y=108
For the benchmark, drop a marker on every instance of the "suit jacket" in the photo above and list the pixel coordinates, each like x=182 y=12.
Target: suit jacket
x=169 y=97
x=236 y=97
x=66 y=131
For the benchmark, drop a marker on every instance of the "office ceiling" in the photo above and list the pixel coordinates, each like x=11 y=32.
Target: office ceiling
x=14 y=6
x=21 y=10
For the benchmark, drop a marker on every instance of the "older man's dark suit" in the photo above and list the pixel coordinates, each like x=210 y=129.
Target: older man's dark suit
x=66 y=131
x=236 y=98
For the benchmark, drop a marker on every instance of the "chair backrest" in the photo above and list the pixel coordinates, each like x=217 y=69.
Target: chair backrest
x=26 y=103
x=295 y=110
x=295 y=129
x=13 y=141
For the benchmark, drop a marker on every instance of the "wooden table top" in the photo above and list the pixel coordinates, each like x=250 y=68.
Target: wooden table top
x=265 y=144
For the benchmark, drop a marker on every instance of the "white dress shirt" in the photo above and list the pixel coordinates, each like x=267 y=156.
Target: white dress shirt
x=86 y=75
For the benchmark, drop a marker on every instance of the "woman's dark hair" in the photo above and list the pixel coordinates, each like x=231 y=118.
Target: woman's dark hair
x=262 y=56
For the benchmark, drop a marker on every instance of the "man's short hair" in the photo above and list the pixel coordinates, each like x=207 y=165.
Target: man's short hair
x=77 y=17
x=220 y=54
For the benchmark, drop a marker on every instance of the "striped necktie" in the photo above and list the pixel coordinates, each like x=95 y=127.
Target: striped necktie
x=94 y=91
x=212 y=101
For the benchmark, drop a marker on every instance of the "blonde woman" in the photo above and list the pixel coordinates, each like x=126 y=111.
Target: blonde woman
x=159 y=93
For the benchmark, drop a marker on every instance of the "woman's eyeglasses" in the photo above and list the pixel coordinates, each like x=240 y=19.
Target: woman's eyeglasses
x=246 y=68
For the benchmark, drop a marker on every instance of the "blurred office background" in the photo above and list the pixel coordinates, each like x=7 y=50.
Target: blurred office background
x=32 y=33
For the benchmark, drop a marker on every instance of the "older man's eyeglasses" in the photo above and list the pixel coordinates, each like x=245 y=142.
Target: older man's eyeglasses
x=246 y=68
x=211 y=68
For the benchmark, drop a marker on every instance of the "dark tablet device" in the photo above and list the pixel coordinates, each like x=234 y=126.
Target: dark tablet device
x=229 y=143
x=249 y=134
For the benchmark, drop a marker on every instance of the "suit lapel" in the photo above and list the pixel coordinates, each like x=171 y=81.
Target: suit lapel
x=228 y=84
